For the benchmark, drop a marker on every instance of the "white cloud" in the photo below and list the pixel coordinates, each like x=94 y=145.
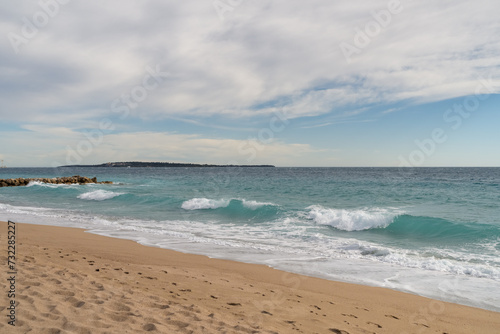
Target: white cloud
x=265 y=57
x=90 y=54
x=54 y=146
x=153 y=146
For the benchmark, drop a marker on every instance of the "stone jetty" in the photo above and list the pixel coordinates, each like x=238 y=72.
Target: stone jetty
x=77 y=179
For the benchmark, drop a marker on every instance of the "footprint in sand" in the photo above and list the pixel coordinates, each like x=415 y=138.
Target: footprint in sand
x=119 y=307
x=27 y=298
x=158 y=306
x=50 y=316
x=64 y=293
x=337 y=331
x=149 y=327
x=178 y=323
x=30 y=283
x=372 y=323
x=99 y=286
x=79 y=304
x=391 y=316
x=118 y=317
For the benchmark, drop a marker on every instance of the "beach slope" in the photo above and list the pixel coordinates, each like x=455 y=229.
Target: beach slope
x=70 y=281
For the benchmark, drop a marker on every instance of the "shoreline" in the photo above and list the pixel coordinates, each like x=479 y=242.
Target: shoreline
x=71 y=280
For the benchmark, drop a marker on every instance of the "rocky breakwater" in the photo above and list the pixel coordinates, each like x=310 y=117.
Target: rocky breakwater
x=77 y=179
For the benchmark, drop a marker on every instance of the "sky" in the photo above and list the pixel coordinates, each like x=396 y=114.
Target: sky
x=288 y=83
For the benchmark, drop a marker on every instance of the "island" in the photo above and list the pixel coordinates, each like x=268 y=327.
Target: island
x=160 y=164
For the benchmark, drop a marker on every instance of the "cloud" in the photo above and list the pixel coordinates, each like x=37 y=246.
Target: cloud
x=88 y=55
x=91 y=61
x=180 y=147
x=55 y=146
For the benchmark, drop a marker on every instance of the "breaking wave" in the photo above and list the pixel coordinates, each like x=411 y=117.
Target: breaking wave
x=352 y=220
x=98 y=195
x=205 y=203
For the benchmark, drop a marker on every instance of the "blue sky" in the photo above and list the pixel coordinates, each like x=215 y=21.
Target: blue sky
x=290 y=83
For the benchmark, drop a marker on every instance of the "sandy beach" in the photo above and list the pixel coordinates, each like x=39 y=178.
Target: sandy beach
x=70 y=281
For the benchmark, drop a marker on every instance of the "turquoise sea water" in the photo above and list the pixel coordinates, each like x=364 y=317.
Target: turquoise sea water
x=429 y=231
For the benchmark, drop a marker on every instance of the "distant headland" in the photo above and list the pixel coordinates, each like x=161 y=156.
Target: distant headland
x=160 y=164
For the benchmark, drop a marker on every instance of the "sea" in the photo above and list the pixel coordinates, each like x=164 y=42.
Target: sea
x=433 y=232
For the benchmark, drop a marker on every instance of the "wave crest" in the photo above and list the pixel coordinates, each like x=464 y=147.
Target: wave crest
x=98 y=195
x=351 y=220
x=254 y=205
x=49 y=185
x=206 y=203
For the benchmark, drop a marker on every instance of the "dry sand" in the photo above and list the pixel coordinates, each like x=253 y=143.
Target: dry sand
x=69 y=281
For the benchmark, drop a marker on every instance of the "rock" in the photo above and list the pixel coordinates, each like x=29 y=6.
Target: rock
x=76 y=179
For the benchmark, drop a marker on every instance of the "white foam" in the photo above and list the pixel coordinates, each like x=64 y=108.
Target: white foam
x=48 y=185
x=281 y=243
x=204 y=203
x=98 y=195
x=254 y=205
x=351 y=220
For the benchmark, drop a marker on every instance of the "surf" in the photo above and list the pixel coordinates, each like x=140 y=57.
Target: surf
x=99 y=195
x=352 y=219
